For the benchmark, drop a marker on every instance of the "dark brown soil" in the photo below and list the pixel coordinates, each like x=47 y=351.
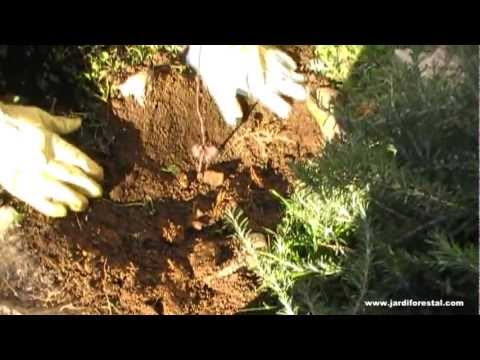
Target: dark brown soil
x=154 y=243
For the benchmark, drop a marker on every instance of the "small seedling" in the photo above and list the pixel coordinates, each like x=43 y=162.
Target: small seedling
x=172 y=169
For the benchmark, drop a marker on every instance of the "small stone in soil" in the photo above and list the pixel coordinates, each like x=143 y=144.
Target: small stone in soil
x=213 y=178
x=258 y=240
x=197 y=225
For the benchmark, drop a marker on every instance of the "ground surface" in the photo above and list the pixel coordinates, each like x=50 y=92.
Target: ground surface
x=154 y=243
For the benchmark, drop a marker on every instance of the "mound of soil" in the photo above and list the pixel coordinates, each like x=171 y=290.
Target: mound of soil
x=155 y=242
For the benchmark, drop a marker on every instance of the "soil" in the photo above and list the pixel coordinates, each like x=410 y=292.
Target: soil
x=154 y=242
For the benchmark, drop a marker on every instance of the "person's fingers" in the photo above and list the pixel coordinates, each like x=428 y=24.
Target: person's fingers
x=49 y=208
x=275 y=104
x=291 y=89
x=293 y=76
x=230 y=109
x=29 y=189
x=193 y=56
x=59 y=193
x=281 y=58
x=45 y=206
x=36 y=116
x=69 y=154
x=60 y=124
x=227 y=102
x=282 y=78
x=71 y=175
x=47 y=195
x=280 y=70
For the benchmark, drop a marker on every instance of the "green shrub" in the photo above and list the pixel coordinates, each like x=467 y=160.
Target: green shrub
x=389 y=212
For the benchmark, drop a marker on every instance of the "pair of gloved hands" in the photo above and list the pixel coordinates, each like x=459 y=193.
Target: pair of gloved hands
x=38 y=167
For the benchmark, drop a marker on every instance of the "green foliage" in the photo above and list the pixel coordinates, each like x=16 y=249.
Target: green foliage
x=107 y=61
x=335 y=61
x=172 y=169
x=389 y=212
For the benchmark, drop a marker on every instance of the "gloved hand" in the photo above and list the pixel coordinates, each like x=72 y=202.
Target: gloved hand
x=260 y=72
x=39 y=167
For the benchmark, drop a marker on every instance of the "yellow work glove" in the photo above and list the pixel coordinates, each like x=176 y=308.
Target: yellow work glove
x=38 y=167
x=259 y=72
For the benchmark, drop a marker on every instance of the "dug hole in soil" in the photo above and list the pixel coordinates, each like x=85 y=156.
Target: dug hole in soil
x=154 y=242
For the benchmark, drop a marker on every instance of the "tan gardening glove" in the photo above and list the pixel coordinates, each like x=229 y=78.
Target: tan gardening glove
x=259 y=72
x=39 y=167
